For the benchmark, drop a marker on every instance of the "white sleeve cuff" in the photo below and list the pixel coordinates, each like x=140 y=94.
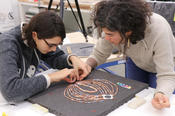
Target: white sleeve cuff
x=47 y=79
x=68 y=61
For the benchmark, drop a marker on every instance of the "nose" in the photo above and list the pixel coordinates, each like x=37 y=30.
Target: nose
x=107 y=38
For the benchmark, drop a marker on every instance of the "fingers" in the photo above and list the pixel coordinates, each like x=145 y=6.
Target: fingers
x=72 y=76
x=155 y=105
x=79 y=73
x=160 y=105
x=70 y=79
x=84 y=72
x=82 y=68
x=160 y=101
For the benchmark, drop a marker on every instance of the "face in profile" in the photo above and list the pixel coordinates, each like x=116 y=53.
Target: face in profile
x=114 y=36
x=46 y=45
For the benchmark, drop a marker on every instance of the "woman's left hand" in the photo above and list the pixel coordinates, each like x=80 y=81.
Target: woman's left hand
x=160 y=101
x=82 y=69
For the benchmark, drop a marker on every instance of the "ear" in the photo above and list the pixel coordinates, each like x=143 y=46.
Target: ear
x=34 y=35
x=128 y=33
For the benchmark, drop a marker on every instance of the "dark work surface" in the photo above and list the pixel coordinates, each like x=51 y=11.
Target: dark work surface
x=53 y=98
x=79 y=49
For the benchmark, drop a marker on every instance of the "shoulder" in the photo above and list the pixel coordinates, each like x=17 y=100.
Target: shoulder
x=156 y=17
x=9 y=39
x=12 y=35
x=158 y=33
x=158 y=23
x=158 y=28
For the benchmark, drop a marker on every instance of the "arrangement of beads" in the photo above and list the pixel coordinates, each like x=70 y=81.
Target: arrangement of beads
x=90 y=91
x=124 y=85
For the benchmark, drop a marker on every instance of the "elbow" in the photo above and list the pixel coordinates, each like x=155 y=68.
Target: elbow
x=11 y=96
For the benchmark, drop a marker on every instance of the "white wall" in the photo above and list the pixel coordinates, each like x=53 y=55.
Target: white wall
x=9 y=14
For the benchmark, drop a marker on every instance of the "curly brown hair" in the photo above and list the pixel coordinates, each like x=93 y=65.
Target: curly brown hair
x=123 y=16
x=47 y=24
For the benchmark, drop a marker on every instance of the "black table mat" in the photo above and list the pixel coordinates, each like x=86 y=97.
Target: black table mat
x=54 y=99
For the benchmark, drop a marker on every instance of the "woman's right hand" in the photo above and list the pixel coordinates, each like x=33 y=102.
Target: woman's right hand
x=63 y=74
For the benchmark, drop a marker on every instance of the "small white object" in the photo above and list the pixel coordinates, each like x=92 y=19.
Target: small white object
x=136 y=102
x=107 y=96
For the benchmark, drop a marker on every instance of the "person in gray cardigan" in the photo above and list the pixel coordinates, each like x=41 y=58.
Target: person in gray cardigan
x=144 y=37
x=23 y=49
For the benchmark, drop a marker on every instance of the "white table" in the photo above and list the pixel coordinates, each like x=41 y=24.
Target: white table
x=23 y=109
x=146 y=109
x=27 y=109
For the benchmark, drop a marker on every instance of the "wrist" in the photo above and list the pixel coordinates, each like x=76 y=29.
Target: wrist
x=48 y=80
x=51 y=78
x=158 y=92
x=72 y=58
x=91 y=62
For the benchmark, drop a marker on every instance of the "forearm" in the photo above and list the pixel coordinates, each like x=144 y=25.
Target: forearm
x=20 y=89
x=166 y=86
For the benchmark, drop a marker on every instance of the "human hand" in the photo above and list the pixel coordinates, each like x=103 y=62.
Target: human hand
x=82 y=69
x=160 y=101
x=62 y=74
x=72 y=77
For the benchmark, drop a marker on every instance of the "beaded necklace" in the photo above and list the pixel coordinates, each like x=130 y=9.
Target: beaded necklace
x=90 y=91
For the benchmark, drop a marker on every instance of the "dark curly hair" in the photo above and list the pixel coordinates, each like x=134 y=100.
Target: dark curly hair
x=123 y=16
x=47 y=24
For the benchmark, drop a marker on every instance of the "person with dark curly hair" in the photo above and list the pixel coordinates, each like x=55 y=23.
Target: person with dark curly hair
x=28 y=53
x=144 y=37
